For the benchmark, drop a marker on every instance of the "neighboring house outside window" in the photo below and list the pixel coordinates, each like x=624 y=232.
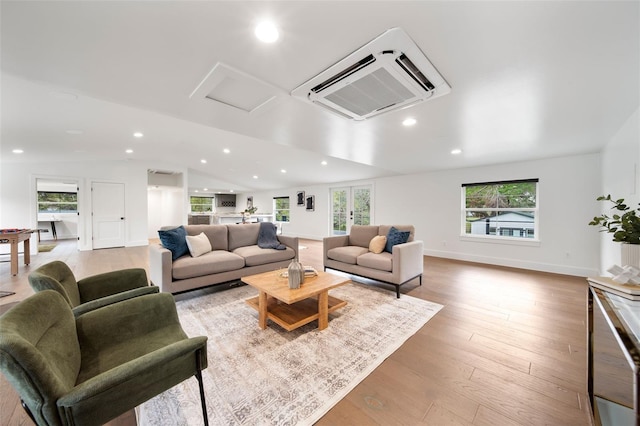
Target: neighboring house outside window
x=281 y=209
x=57 y=202
x=201 y=204
x=501 y=210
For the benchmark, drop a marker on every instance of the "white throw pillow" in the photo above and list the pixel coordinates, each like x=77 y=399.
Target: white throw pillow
x=198 y=245
x=377 y=243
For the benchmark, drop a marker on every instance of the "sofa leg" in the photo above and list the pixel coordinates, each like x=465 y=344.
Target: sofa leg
x=420 y=279
x=397 y=292
x=205 y=417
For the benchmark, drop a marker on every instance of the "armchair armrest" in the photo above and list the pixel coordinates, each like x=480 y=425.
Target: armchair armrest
x=108 y=283
x=408 y=261
x=132 y=383
x=115 y=298
x=291 y=242
x=332 y=242
x=160 y=267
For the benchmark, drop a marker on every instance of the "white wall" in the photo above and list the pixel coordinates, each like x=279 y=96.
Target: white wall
x=431 y=202
x=619 y=178
x=18 y=200
x=165 y=207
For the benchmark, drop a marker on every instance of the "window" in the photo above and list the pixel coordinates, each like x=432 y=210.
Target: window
x=507 y=209
x=201 y=204
x=57 y=202
x=281 y=209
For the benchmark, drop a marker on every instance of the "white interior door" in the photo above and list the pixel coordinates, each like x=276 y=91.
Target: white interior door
x=107 y=212
x=350 y=206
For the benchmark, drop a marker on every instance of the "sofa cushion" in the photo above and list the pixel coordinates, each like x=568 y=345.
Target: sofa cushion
x=210 y=263
x=217 y=235
x=198 y=244
x=347 y=254
x=241 y=235
x=380 y=261
x=174 y=240
x=254 y=255
x=395 y=237
x=384 y=230
x=361 y=235
x=378 y=243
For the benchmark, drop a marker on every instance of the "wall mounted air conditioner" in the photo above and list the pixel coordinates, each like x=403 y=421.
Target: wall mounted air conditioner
x=386 y=74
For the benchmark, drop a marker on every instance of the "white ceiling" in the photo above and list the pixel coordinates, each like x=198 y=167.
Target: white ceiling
x=529 y=80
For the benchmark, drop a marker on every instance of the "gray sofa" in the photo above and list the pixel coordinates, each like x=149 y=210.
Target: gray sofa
x=234 y=254
x=351 y=254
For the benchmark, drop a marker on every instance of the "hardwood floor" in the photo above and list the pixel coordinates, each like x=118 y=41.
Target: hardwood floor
x=508 y=348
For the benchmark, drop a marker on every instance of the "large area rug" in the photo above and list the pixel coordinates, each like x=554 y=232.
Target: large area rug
x=275 y=377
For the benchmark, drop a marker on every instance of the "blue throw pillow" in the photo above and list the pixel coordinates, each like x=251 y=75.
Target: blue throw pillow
x=395 y=237
x=175 y=240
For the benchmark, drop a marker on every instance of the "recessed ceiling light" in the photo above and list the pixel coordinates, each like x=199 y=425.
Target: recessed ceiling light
x=255 y=177
x=409 y=121
x=283 y=171
x=129 y=151
x=197 y=190
x=138 y=134
x=456 y=151
x=266 y=32
x=231 y=190
x=74 y=131
x=226 y=150
x=203 y=161
x=324 y=163
x=17 y=151
x=205 y=189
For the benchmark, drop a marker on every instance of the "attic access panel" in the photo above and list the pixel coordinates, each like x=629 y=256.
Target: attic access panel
x=388 y=73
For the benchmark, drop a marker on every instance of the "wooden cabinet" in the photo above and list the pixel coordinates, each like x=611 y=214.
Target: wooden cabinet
x=199 y=219
x=225 y=200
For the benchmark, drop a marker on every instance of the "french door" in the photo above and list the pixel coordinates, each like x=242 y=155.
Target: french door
x=350 y=206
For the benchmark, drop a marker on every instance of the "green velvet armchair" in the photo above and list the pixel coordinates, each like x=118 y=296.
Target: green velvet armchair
x=94 y=291
x=90 y=369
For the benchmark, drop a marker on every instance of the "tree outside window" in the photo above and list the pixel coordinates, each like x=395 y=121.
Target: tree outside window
x=281 y=210
x=501 y=209
x=57 y=202
x=201 y=204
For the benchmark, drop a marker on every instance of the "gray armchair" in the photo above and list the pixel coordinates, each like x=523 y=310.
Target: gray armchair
x=91 y=369
x=91 y=292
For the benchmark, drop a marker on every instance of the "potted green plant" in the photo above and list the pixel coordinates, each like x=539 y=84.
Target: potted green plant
x=624 y=224
x=625 y=227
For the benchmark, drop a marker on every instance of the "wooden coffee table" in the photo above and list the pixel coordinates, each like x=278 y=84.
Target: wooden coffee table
x=293 y=308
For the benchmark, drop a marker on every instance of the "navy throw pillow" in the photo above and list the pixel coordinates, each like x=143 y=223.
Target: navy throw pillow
x=175 y=240
x=395 y=237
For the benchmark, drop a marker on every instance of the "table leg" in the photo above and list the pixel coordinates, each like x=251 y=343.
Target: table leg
x=323 y=310
x=53 y=230
x=27 y=251
x=14 y=257
x=262 y=310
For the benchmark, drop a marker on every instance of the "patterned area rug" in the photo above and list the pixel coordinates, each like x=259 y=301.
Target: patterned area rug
x=275 y=377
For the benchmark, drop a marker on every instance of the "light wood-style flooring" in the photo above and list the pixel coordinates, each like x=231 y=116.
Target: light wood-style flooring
x=508 y=348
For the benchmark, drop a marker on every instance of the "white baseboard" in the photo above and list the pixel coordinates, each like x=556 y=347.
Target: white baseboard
x=516 y=263
x=136 y=243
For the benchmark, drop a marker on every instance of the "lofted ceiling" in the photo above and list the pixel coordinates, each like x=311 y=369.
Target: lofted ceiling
x=529 y=80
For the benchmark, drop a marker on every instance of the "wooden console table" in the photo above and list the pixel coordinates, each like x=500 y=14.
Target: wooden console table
x=14 y=237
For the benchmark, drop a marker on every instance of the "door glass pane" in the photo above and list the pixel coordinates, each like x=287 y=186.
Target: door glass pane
x=339 y=211
x=361 y=206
